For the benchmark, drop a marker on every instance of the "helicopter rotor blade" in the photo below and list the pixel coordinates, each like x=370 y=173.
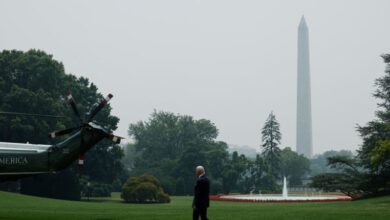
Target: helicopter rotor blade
x=31 y=115
x=99 y=107
x=62 y=132
x=114 y=138
x=72 y=103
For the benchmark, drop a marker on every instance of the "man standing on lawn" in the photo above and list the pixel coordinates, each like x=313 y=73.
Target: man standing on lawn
x=201 y=195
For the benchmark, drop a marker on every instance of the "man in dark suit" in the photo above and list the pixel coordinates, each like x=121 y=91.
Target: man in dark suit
x=201 y=195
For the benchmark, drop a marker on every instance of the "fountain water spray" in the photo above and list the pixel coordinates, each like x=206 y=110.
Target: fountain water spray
x=285 y=193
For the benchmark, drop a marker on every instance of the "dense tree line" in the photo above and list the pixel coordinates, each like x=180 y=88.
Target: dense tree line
x=368 y=173
x=34 y=82
x=170 y=146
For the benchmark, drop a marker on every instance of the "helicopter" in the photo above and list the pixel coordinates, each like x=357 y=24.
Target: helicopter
x=19 y=160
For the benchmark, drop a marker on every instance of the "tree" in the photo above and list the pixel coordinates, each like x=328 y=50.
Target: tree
x=319 y=164
x=368 y=173
x=374 y=151
x=234 y=170
x=170 y=146
x=374 y=154
x=218 y=168
x=294 y=166
x=191 y=158
x=271 y=137
x=258 y=178
x=349 y=180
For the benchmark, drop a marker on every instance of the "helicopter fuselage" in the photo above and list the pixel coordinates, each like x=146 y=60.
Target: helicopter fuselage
x=21 y=160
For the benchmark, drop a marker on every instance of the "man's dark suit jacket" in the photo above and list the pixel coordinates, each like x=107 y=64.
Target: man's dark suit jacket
x=201 y=193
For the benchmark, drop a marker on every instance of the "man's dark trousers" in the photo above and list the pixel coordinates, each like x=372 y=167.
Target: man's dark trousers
x=202 y=212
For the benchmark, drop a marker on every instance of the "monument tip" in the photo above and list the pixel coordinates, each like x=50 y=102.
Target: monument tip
x=302 y=23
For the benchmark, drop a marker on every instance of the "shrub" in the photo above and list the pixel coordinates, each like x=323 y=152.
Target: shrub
x=89 y=188
x=144 y=189
x=95 y=189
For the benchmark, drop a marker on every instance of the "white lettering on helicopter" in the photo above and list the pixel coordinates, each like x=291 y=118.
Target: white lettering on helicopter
x=13 y=160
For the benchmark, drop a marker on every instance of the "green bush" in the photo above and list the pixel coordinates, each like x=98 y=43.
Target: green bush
x=95 y=189
x=101 y=190
x=144 y=189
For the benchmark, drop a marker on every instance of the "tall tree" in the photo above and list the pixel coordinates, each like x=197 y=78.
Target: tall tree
x=271 y=138
x=369 y=172
x=374 y=154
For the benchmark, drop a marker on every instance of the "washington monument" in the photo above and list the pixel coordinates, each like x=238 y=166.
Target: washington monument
x=304 y=136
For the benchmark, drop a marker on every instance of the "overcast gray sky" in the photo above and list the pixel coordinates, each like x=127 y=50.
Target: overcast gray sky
x=232 y=62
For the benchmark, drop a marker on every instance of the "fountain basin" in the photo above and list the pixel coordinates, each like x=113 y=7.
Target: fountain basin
x=280 y=198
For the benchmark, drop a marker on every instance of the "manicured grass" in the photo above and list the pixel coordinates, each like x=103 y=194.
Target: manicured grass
x=15 y=206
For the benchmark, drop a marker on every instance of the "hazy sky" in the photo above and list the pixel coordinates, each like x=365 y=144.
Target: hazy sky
x=232 y=62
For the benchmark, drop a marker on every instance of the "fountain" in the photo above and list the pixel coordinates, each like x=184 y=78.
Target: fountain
x=285 y=197
x=285 y=194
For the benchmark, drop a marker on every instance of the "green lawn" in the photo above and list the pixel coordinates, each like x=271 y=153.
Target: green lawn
x=15 y=206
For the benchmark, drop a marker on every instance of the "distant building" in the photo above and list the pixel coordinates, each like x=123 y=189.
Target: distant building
x=304 y=126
